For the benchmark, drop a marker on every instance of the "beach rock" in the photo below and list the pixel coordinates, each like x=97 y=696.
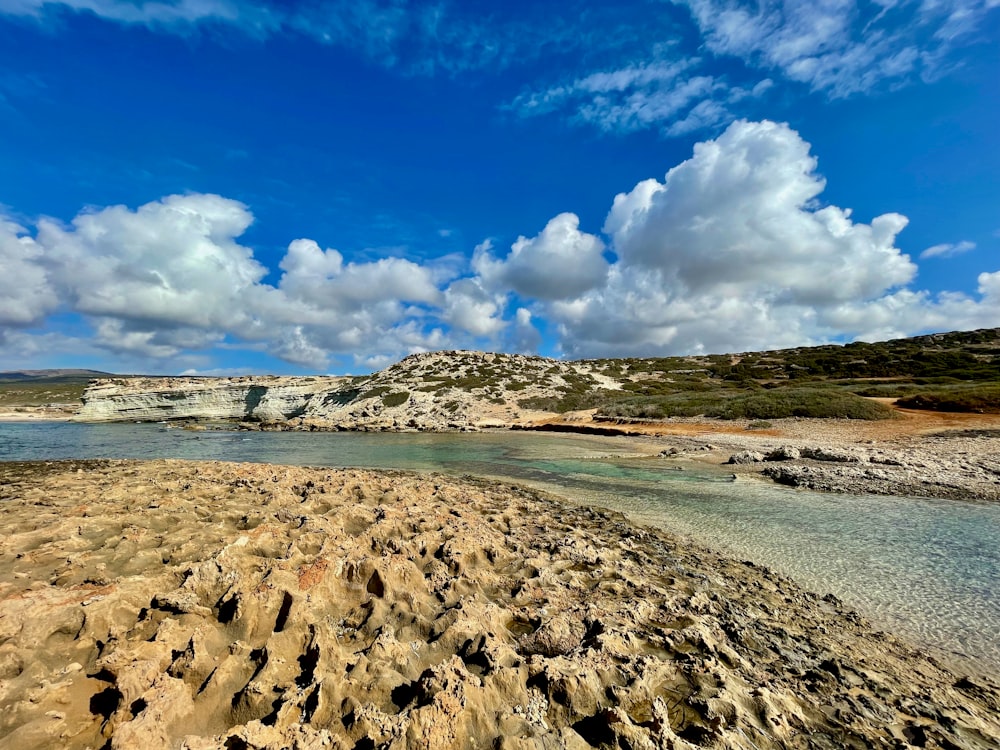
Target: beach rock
x=746 y=457
x=784 y=453
x=251 y=606
x=822 y=453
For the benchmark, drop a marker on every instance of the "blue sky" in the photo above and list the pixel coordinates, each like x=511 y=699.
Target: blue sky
x=217 y=186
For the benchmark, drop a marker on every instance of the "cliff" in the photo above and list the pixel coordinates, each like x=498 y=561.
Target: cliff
x=441 y=390
x=267 y=399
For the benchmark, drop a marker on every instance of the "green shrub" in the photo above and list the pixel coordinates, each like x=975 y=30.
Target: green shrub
x=396 y=399
x=775 y=403
x=982 y=399
x=803 y=402
x=568 y=401
x=374 y=392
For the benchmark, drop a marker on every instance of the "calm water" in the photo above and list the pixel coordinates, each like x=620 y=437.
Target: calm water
x=929 y=569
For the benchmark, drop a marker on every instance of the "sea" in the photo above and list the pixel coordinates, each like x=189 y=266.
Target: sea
x=924 y=568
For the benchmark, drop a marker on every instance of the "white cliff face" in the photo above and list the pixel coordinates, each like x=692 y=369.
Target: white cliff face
x=437 y=391
x=266 y=399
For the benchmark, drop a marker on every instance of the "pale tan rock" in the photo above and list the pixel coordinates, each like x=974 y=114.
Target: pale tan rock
x=362 y=609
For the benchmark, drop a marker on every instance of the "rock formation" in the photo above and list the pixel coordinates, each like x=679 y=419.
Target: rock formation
x=438 y=391
x=173 y=604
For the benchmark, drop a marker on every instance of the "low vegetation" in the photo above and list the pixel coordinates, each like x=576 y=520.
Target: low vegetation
x=767 y=404
x=39 y=393
x=979 y=399
x=395 y=399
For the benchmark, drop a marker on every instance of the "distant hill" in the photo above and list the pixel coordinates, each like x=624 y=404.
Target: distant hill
x=44 y=388
x=51 y=376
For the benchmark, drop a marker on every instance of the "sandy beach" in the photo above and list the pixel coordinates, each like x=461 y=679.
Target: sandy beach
x=213 y=605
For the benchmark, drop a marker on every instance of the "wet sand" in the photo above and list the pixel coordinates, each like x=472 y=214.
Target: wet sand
x=213 y=605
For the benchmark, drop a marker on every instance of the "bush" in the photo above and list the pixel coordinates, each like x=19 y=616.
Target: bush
x=803 y=402
x=775 y=403
x=685 y=404
x=374 y=392
x=396 y=399
x=983 y=399
x=568 y=401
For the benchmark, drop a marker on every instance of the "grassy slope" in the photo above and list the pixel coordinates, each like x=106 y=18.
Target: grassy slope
x=954 y=371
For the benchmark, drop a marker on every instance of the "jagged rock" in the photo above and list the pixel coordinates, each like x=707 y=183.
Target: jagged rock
x=784 y=453
x=392 y=610
x=746 y=457
x=820 y=453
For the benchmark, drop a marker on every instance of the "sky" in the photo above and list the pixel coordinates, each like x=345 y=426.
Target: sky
x=326 y=186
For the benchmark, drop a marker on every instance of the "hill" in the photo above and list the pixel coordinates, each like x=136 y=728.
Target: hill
x=467 y=390
x=38 y=388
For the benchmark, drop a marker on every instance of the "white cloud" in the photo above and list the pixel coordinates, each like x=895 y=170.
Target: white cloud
x=170 y=278
x=471 y=308
x=948 y=249
x=739 y=213
x=664 y=95
x=733 y=251
x=321 y=279
x=526 y=338
x=26 y=296
x=419 y=38
x=559 y=262
x=841 y=47
x=173 y=262
x=146 y=13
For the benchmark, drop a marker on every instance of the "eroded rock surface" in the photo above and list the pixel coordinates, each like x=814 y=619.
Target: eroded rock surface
x=173 y=604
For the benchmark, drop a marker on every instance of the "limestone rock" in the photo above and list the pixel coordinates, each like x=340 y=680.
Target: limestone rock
x=384 y=609
x=746 y=457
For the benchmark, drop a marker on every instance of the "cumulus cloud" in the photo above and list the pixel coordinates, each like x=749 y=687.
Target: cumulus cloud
x=739 y=215
x=733 y=250
x=321 y=278
x=526 y=338
x=173 y=262
x=948 y=249
x=471 y=308
x=171 y=278
x=561 y=261
x=26 y=294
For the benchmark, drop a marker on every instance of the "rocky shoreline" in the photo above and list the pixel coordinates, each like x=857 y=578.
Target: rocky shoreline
x=950 y=456
x=954 y=465
x=211 y=605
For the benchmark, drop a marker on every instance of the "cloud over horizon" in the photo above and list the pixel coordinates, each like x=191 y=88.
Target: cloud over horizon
x=732 y=250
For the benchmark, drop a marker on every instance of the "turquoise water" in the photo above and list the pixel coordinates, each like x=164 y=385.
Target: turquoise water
x=929 y=569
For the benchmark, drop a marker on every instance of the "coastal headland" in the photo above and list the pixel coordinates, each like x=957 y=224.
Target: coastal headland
x=918 y=416
x=214 y=605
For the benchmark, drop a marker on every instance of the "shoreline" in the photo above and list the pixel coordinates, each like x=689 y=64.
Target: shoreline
x=923 y=454
x=464 y=606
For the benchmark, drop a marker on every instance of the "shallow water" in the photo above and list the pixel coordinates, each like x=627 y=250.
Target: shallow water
x=929 y=569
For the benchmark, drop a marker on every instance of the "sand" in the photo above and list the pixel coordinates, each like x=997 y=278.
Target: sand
x=211 y=605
